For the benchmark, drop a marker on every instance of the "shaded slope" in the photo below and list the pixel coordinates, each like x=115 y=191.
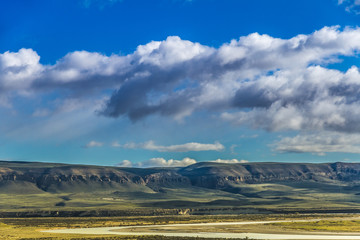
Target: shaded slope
x=64 y=177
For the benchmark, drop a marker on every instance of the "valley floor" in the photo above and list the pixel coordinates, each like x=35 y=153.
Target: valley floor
x=224 y=230
x=173 y=227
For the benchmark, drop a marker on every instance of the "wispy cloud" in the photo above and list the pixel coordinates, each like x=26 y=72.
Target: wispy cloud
x=93 y=144
x=64 y=118
x=230 y=161
x=125 y=163
x=162 y=162
x=187 y=147
x=159 y=162
x=351 y=5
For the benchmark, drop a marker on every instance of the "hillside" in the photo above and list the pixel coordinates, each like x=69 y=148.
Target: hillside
x=203 y=185
x=50 y=177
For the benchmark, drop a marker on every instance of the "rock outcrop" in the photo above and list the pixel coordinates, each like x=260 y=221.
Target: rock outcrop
x=50 y=177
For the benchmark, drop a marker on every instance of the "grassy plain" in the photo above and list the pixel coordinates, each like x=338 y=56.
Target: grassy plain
x=336 y=225
x=29 y=228
x=273 y=196
x=97 y=203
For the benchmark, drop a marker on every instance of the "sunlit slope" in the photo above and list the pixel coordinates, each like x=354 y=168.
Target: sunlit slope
x=34 y=186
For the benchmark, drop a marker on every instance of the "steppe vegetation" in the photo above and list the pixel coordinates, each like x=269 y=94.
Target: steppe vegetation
x=29 y=228
x=337 y=225
x=38 y=196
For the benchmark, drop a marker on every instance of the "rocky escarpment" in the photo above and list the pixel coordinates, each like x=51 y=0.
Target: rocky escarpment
x=44 y=177
x=213 y=175
x=166 y=179
x=54 y=177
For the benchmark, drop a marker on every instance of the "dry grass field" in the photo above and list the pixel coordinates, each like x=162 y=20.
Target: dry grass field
x=336 y=225
x=29 y=228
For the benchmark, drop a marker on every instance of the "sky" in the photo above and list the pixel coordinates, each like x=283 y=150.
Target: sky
x=174 y=82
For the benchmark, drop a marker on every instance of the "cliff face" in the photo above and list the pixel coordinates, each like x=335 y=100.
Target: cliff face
x=209 y=175
x=218 y=175
x=44 y=177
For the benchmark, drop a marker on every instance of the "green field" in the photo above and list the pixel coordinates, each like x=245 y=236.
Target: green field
x=29 y=228
x=258 y=197
x=322 y=226
x=68 y=196
x=202 y=188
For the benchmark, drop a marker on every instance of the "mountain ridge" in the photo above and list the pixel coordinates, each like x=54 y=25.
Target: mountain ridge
x=204 y=174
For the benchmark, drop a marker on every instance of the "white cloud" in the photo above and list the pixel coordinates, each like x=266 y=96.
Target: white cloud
x=314 y=98
x=125 y=163
x=187 y=147
x=161 y=162
x=158 y=162
x=320 y=143
x=19 y=69
x=230 y=161
x=257 y=80
x=92 y=144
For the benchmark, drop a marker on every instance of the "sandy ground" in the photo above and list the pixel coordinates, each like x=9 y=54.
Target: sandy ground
x=164 y=231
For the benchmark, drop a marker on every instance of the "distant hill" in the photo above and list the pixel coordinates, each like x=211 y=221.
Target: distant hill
x=54 y=177
x=204 y=185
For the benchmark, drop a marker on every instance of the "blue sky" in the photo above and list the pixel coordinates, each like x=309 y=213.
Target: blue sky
x=100 y=81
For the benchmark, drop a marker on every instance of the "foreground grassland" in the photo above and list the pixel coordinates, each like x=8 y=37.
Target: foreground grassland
x=322 y=226
x=29 y=228
x=293 y=196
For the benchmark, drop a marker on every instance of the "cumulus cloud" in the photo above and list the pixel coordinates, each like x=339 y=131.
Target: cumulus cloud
x=187 y=147
x=162 y=162
x=320 y=143
x=314 y=98
x=158 y=162
x=19 y=69
x=217 y=76
x=257 y=80
x=93 y=144
x=125 y=163
x=230 y=161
